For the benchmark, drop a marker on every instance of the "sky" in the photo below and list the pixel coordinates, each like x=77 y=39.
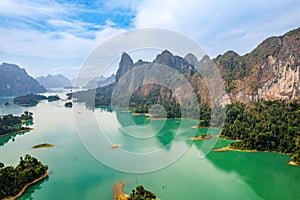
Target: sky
x=56 y=36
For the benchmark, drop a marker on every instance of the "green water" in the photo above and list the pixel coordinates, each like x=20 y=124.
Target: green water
x=76 y=174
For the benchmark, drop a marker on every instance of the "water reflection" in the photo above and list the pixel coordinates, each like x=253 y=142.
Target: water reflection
x=271 y=169
x=33 y=188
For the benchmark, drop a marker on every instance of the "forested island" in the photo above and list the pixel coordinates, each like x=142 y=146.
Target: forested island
x=29 y=99
x=265 y=126
x=33 y=99
x=139 y=193
x=10 y=124
x=15 y=180
x=53 y=98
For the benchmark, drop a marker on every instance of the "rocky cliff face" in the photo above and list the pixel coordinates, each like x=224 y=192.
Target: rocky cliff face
x=15 y=81
x=269 y=72
x=125 y=65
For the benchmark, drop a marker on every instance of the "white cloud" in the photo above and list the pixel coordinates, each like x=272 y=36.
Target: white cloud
x=60 y=46
x=221 y=25
x=40 y=51
x=44 y=34
x=26 y=8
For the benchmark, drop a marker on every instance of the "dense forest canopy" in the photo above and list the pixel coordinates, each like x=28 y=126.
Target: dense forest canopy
x=10 y=123
x=265 y=126
x=29 y=99
x=13 y=179
x=141 y=194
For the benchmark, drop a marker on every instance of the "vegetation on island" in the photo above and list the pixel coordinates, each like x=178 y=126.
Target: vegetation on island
x=265 y=126
x=33 y=99
x=140 y=193
x=53 y=98
x=29 y=99
x=14 y=179
x=69 y=105
x=11 y=124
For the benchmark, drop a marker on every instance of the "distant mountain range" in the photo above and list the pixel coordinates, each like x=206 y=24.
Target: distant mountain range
x=54 y=81
x=100 y=82
x=15 y=81
x=270 y=72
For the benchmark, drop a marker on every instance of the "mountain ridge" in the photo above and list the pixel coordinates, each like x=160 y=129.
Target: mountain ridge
x=54 y=81
x=15 y=81
x=268 y=72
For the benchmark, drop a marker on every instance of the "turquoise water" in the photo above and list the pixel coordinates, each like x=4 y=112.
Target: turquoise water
x=75 y=173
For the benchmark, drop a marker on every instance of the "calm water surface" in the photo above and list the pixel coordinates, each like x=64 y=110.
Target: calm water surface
x=76 y=174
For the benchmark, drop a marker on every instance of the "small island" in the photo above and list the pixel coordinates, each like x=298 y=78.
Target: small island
x=33 y=99
x=115 y=146
x=136 y=194
x=69 y=105
x=53 y=98
x=44 y=145
x=29 y=99
x=10 y=124
x=15 y=180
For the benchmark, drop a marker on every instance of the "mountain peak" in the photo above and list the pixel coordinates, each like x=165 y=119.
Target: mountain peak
x=126 y=63
x=165 y=58
x=54 y=81
x=191 y=58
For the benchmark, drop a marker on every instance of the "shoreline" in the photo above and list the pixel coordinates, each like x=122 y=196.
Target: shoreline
x=28 y=185
x=204 y=138
x=293 y=163
x=227 y=148
x=118 y=191
x=19 y=131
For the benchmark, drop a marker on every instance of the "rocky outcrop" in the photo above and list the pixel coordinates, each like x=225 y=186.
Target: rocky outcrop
x=125 y=65
x=269 y=72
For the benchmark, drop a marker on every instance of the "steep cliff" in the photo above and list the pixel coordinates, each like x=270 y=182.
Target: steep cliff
x=269 y=72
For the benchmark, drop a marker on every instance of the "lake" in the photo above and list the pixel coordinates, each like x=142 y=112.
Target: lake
x=156 y=154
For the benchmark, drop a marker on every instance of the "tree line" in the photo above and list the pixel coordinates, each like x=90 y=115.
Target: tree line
x=10 y=123
x=13 y=179
x=265 y=126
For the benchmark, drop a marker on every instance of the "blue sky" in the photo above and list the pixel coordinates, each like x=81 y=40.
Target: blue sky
x=55 y=36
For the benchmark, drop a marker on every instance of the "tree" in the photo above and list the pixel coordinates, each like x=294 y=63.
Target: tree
x=1 y=165
x=140 y=193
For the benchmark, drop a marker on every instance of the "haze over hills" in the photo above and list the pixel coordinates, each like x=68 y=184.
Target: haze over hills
x=269 y=72
x=54 y=81
x=102 y=81
x=15 y=81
